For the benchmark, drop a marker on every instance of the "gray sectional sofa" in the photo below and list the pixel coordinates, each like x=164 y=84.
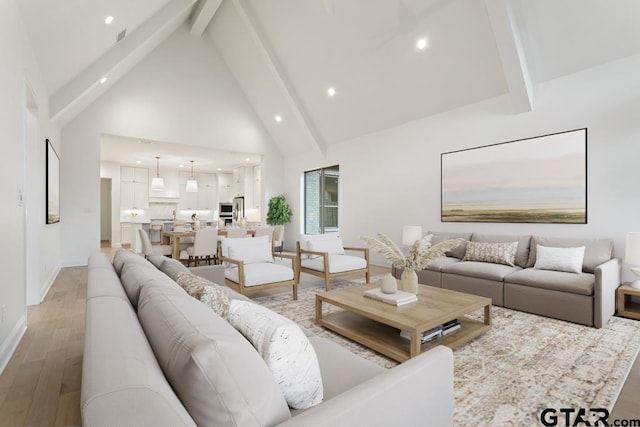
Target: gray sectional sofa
x=587 y=297
x=156 y=356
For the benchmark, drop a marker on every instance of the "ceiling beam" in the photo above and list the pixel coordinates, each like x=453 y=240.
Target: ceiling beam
x=203 y=15
x=85 y=88
x=280 y=76
x=514 y=62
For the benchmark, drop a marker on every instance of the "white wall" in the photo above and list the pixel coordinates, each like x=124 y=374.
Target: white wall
x=18 y=66
x=392 y=178
x=181 y=93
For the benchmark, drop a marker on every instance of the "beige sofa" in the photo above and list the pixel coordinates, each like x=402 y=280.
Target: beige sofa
x=156 y=356
x=587 y=298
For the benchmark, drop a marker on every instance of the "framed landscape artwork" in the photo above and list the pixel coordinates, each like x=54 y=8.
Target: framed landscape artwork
x=53 y=184
x=541 y=179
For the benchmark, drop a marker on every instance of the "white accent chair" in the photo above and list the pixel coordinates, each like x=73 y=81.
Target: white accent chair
x=149 y=249
x=205 y=246
x=323 y=255
x=250 y=267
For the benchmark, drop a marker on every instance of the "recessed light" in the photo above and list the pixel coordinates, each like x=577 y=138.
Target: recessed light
x=138 y=161
x=219 y=169
x=331 y=91
x=421 y=43
x=103 y=80
x=247 y=159
x=108 y=20
x=278 y=119
x=181 y=166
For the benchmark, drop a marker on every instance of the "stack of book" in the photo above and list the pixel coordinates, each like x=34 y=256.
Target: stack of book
x=396 y=298
x=439 y=331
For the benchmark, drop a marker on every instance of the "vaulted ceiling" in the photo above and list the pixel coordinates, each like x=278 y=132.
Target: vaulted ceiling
x=286 y=54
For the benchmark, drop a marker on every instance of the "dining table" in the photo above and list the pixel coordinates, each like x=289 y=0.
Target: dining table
x=173 y=238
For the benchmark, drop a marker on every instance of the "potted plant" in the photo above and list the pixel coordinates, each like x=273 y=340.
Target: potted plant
x=278 y=214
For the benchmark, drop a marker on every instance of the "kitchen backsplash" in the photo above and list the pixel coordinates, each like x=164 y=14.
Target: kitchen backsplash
x=165 y=211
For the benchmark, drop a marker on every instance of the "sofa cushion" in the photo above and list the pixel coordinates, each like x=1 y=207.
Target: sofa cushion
x=285 y=349
x=259 y=274
x=581 y=283
x=135 y=275
x=439 y=263
x=481 y=270
x=208 y=293
x=457 y=252
x=220 y=378
x=123 y=256
x=596 y=252
x=337 y=263
x=559 y=259
x=522 y=254
x=497 y=253
x=104 y=282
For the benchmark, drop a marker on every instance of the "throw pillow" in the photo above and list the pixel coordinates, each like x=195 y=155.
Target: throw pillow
x=497 y=253
x=172 y=268
x=559 y=259
x=240 y=242
x=284 y=348
x=208 y=293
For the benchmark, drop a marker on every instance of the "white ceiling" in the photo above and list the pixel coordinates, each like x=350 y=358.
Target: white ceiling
x=286 y=53
x=130 y=151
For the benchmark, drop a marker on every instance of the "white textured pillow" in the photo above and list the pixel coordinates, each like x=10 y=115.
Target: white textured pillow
x=559 y=259
x=497 y=253
x=238 y=246
x=284 y=348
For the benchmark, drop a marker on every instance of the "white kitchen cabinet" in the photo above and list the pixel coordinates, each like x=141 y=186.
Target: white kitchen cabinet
x=134 y=188
x=257 y=189
x=225 y=181
x=205 y=198
x=125 y=233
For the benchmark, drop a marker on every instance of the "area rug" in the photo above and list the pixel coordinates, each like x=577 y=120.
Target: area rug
x=522 y=365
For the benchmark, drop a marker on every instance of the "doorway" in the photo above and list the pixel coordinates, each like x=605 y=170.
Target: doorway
x=105 y=212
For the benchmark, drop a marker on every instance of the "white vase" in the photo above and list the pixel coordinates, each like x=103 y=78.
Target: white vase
x=388 y=284
x=409 y=281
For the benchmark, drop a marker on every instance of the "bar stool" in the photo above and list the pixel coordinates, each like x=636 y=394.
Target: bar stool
x=153 y=227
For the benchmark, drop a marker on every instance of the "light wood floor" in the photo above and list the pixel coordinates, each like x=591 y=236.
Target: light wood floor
x=41 y=384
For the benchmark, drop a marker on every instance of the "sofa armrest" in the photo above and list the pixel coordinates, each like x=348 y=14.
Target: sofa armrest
x=604 y=292
x=417 y=392
x=213 y=273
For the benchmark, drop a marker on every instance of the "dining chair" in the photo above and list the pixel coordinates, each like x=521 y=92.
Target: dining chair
x=234 y=233
x=149 y=249
x=156 y=226
x=205 y=246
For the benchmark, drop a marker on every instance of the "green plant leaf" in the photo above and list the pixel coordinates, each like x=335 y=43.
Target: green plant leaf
x=278 y=212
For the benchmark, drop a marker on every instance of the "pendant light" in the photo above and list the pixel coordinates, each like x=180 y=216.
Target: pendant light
x=157 y=183
x=192 y=184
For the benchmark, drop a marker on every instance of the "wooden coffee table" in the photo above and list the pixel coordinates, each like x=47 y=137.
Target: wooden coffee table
x=377 y=325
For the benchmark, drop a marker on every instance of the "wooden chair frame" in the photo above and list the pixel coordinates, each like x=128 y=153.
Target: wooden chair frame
x=244 y=290
x=325 y=274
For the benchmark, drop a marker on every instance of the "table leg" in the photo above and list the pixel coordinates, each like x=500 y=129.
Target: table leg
x=176 y=248
x=487 y=314
x=414 y=344
x=318 y=309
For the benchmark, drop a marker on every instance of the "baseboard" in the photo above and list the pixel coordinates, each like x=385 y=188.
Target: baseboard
x=116 y=245
x=47 y=285
x=9 y=346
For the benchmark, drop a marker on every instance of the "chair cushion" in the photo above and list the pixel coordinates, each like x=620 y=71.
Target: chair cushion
x=522 y=254
x=219 y=377
x=337 y=263
x=581 y=283
x=330 y=246
x=260 y=274
x=306 y=238
x=285 y=349
x=559 y=259
x=241 y=242
x=596 y=252
x=498 y=253
x=208 y=293
x=481 y=270
x=257 y=252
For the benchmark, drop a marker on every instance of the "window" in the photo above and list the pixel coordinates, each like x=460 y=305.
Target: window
x=321 y=200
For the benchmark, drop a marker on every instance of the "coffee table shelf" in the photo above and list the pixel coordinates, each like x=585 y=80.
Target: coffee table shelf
x=377 y=325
